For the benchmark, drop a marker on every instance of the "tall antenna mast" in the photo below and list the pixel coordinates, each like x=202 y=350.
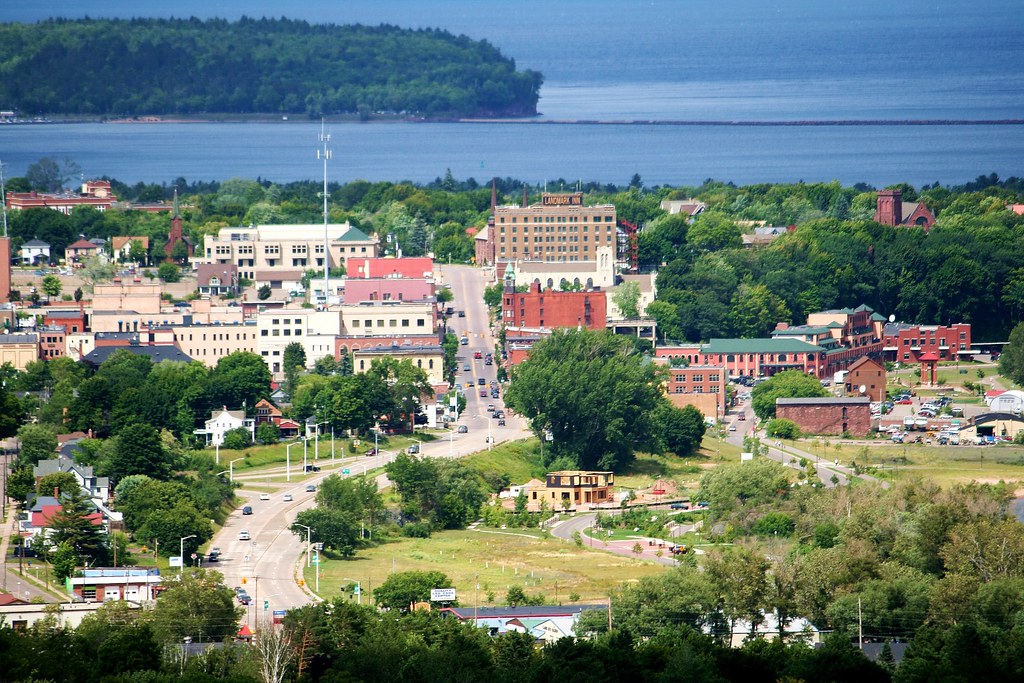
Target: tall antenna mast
x=325 y=153
x=3 y=198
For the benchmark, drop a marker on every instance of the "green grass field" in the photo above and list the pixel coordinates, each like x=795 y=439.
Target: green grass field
x=495 y=559
x=519 y=459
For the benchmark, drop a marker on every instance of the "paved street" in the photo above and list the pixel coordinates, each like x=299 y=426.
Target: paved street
x=271 y=561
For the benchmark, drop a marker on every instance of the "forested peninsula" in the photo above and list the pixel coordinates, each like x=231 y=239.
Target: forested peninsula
x=192 y=67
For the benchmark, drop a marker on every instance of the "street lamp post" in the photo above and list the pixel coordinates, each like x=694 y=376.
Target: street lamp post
x=288 y=460
x=181 y=550
x=359 y=588
x=332 y=445
x=305 y=453
x=308 y=545
x=231 y=468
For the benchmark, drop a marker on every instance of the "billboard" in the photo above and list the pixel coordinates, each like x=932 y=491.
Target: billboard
x=442 y=594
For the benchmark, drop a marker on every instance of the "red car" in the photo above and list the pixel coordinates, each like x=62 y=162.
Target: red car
x=478 y=354
x=904 y=402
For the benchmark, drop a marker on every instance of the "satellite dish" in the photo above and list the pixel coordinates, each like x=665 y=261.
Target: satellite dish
x=892 y=318
x=862 y=388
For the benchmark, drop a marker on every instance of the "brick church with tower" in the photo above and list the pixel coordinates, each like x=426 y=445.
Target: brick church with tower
x=892 y=210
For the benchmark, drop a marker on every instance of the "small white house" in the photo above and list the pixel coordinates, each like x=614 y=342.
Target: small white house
x=223 y=421
x=34 y=253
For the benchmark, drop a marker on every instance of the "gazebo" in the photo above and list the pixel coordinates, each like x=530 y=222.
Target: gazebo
x=928 y=363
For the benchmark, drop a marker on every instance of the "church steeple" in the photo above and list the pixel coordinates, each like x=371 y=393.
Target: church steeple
x=176 y=211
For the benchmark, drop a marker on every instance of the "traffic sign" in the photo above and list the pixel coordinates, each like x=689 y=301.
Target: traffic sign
x=266 y=604
x=345 y=471
x=316 y=559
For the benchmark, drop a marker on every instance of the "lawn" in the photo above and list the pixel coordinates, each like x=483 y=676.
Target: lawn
x=946 y=465
x=520 y=460
x=495 y=559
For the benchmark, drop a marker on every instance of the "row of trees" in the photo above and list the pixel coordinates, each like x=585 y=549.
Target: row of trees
x=127 y=389
x=179 y=66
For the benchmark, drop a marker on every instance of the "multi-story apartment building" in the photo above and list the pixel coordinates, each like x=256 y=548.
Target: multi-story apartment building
x=906 y=343
x=551 y=309
x=269 y=247
x=559 y=228
x=430 y=359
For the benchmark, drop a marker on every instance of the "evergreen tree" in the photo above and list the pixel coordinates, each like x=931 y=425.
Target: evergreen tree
x=73 y=526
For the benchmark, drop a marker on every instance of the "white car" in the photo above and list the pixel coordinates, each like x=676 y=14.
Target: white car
x=243 y=535
x=264 y=496
x=732 y=427
x=287 y=497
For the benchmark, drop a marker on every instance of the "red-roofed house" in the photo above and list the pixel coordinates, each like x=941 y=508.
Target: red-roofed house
x=83 y=248
x=121 y=246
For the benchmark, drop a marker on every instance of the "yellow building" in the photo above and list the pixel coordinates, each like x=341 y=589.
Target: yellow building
x=18 y=349
x=559 y=228
x=430 y=359
x=581 y=489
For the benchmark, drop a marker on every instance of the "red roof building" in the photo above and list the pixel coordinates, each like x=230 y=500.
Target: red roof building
x=95 y=193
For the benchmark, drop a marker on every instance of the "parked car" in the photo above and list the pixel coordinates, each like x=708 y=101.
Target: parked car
x=904 y=402
x=413 y=449
x=463 y=429
x=680 y=506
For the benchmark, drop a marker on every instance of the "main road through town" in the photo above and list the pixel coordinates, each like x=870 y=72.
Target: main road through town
x=271 y=561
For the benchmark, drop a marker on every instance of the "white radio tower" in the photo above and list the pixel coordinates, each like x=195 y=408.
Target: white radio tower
x=3 y=198
x=325 y=153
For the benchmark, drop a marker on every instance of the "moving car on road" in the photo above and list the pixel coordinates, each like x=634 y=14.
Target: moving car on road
x=287 y=498
x=264 y=496
x=310 y=488
x=243 y=535
x=463 y=429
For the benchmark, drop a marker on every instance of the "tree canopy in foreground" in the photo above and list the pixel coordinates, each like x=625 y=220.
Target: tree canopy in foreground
x=592 y=392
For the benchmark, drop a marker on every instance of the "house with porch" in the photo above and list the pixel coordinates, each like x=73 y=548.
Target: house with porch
x=223 y=421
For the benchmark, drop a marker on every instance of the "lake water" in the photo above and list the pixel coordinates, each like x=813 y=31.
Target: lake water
x=628 y=60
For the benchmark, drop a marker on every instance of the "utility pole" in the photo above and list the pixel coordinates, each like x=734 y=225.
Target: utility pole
x=860 y=627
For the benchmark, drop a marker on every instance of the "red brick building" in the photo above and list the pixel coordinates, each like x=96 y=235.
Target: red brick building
x=52 y=342
x=5 y=269
x=95 y=193
x=753 y=357
x=549 y=309
x=867 y=373
x=892 y=210
x=71 y=319
x=905 y=343
x=827 y=415
x=702 y=386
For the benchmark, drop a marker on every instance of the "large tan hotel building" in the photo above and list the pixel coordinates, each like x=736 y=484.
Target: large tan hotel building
x=559 y=228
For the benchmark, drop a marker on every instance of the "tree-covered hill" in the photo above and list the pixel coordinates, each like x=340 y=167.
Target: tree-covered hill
x=190 y=66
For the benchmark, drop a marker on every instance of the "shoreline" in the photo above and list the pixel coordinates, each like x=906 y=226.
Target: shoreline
x=149 y=120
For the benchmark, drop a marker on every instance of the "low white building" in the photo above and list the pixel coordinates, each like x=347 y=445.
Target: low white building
x=105 y=584
x=1011 y=401
x=223 y=421
x=34 y=252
